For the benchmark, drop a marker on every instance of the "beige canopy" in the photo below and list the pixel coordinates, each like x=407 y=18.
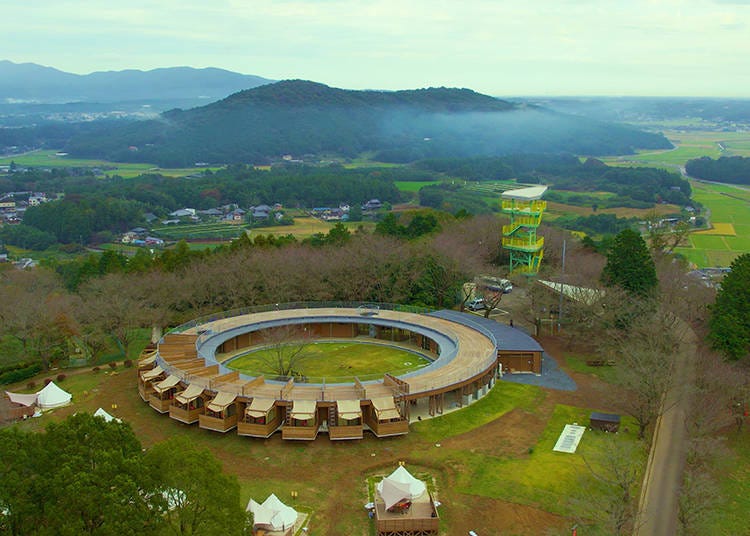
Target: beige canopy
x=221 y=401
x=167 y=383
x=147 y=360
x=259 y=407
x=349 y=409
x=192 y=392
x=303 y=409
x=385 y=408
x=153 y=373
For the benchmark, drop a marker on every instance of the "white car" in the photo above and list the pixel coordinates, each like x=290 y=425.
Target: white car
x=477 y=304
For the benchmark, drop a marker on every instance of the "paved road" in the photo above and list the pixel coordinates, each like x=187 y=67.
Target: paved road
x=658 y=505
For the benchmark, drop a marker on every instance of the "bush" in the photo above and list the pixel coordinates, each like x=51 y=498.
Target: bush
x=47 y=381
x=20 y=374
x=113 y=365
x=127 y=363
x=95 y=369
x=31 y=385
x=61 y=377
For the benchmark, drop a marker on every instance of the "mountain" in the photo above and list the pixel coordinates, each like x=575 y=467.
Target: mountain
x=299 y=117
x=28 y=82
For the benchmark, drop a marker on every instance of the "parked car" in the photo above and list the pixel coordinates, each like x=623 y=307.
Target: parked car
x=477 y=304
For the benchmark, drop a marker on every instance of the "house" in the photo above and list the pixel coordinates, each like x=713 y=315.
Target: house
x=37 y=199
x=213 y=212
x=149 y=217
x=183 y=213
x=372 y=204
x=236 y=216
x=153 y=241
x=260 y=212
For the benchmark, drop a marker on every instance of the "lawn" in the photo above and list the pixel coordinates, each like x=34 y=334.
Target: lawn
x=543 y=477
x=730 y=514
x=504 y=397
x=337 y=361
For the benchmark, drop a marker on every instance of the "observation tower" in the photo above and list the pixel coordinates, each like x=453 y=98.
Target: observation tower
x=525 y=207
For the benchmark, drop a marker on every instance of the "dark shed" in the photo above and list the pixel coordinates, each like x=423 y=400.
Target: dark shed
x=606 y=422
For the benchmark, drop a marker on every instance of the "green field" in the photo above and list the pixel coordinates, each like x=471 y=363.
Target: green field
x=337 y=360
x=413 y=186
x=216 y=231
x=49 y=159
x=727 y=204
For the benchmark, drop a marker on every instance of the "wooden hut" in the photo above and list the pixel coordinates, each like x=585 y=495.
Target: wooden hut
x=221 y=413
x=261 y=418
x=301 y=421
x=384 y=419
x=164 y=392
x=146 y=380
x=188 y=405
x=347 y=423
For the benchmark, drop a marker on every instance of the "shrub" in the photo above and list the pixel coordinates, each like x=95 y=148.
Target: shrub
x=127 y=363
x=61 y=377
x=113 y=365
x=20 y=374
x=95 y=369
x=47 y=381
x=31 y=385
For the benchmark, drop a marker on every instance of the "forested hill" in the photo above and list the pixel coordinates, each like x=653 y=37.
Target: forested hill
x=298 y=118
x=732 y=169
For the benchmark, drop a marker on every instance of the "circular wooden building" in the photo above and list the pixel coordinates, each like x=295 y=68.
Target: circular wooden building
x=187 y=378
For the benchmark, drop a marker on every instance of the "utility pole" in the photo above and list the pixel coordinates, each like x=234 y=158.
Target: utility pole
x=562 y=278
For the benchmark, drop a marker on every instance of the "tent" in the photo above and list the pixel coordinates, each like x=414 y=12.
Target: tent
x=52 y=397
x=393 y=492
x=106 y=416
x=22 y=400
x=403 y=478
x=272 y=514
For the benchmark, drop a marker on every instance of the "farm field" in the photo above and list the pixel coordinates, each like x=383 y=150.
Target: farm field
x=729 y=208
x=689 y=145
x=336 y=362
x=413 y=186
x=44 y=159
x=215 y=230
x=555 y=210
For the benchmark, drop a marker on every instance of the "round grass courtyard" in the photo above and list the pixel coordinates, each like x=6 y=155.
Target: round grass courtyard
x=334 y=360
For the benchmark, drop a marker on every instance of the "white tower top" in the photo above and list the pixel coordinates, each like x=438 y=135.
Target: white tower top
x=525 y=194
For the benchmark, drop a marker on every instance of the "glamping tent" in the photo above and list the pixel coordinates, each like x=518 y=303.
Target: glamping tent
x=52 y=397
x=401 y=479
x=273 y=515
x=49 y=397
x=106 y=416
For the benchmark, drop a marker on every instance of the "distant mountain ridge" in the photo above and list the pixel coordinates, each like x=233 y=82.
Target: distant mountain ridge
x=300 y=117
x=36 y=83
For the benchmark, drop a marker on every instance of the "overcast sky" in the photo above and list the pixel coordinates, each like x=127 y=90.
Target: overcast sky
x=499 y=47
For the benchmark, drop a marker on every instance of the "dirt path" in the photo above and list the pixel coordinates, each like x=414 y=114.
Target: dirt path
x=658 y=506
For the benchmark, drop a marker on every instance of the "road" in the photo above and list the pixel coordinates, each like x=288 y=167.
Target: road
x=658 y=506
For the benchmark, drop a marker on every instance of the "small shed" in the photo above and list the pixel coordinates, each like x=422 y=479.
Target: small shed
x=607 y=422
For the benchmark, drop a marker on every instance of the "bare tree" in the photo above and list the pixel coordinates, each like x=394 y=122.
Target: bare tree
x=645 y=357
x=611 y=484
x=288 y=347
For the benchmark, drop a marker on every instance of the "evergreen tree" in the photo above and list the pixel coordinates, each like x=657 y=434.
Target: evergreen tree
x=630 y=265
x=730 y=314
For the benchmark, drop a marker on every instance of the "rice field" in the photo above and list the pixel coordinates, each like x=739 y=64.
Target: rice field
x=729 y=214
x=54 y=159
x=216 y=231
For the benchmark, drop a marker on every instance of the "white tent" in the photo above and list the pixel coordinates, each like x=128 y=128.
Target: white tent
x=403 y=477
x=21 y=399
x=393 y=492
x=52 y=397
x=106 y=416
x=272 y=514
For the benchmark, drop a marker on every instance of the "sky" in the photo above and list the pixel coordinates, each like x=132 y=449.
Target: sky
x=498 y=47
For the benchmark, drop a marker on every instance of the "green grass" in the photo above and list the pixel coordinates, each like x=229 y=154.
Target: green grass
x=337 y=361
x=578 y=364
x=729 y=516
x=213 y=230
x=542 y=477
x=504 y=397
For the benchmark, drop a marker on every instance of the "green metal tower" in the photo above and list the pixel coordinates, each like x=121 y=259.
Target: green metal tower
x=525 y=208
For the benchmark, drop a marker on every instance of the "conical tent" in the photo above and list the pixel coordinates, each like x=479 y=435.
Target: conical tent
x=104 y=415
x=402 y=476
x=393 y=492
x=272 y=514
x=52 y=397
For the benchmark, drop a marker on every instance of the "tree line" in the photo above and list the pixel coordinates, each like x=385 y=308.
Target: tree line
x=732 y=169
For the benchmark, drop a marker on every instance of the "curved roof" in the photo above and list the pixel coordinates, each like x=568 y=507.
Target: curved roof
x=525 y=194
